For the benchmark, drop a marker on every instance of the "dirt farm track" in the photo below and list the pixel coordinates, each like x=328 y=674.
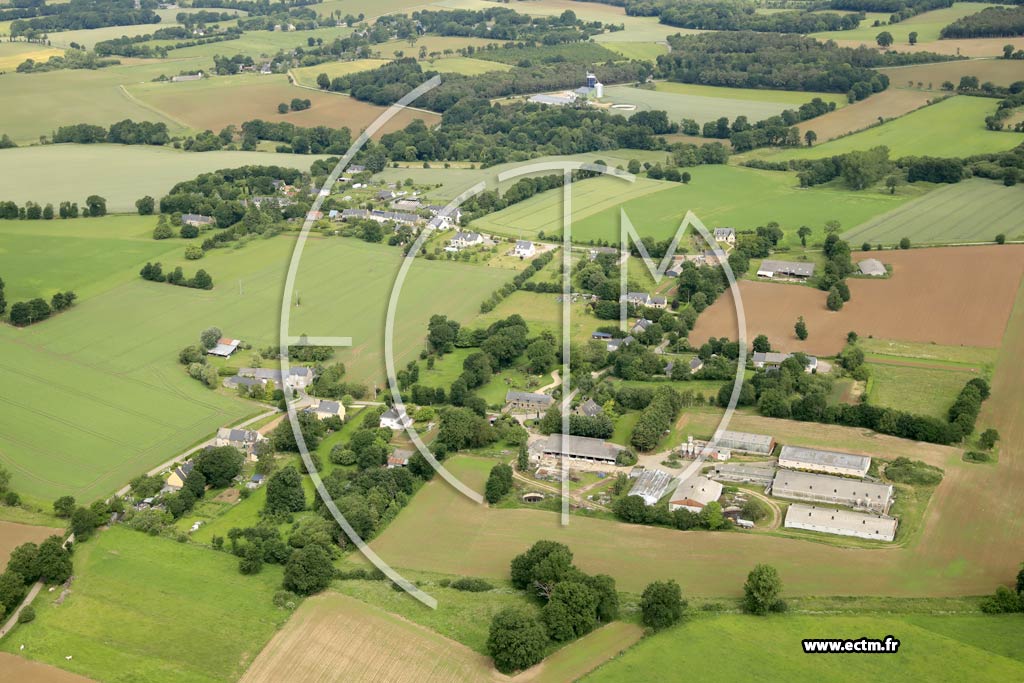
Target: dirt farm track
x=949 y=295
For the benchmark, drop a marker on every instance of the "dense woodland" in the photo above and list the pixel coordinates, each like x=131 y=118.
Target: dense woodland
x=81 y=14
x=992 y=22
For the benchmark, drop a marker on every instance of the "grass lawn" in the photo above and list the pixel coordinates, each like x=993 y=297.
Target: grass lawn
x=624 y=428
x=927 y=26
x=947 y=647
x=119 y=173
x=708 y=103
x=954 y=127
x=974 y=210
x=306 y=75
x=137 y=601
x=742 y=198
x=921 y=390
x=467 y=66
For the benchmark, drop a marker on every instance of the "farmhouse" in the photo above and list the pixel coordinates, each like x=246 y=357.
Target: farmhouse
x=400 y=458
x=524 y=249
x=615 y=344
x=589 y=408
x=224 y=347
x=771 y=360
x=644 y=299
x=641 y=325
x=178 y=475
x=446 y=219
x=244 y=440
x=326 y=409
x=745 y=473
x=823 y=488
x=197 y=220
x=581 y=448
x=299 y=376
x=651 y=485
x=395 y=217
x=694 y=494
x=841 y=522
x=395 y=419
x=771 y=269
x=524 y=400
x=829 y=462
x=695 y=365
x=463 y=240
x=872 y=267
x=762 y=444
x=248 y=382
x=727 y=235
x=354 y=214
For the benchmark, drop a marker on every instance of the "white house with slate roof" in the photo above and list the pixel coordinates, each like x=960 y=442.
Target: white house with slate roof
x=196 y=219
x=524 y=249
x=771 y=360
x=727 y=235
x=326 y=409
x=463 y=240
x=395 y=419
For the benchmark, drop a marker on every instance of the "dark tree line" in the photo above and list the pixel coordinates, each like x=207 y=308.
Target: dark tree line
x=85 y=14
x=126 y=132
x=154 y=273
x=992 y=22
x=741 y=15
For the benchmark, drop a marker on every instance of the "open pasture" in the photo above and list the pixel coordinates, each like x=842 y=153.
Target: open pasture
x=306 y=75
x=946 y=295
x=333 y=637
x=889 y=104
x=955 y=647
x=974 y=210
x=927 y=26
x=999 y=71
x=13 y=54
x=954 y=127
x=119 y=173
x=256 y=43
x=137 y=601
x=708 y=103
x=211 y=104
x=920 y=390
x=466 y=66
x=734 y=196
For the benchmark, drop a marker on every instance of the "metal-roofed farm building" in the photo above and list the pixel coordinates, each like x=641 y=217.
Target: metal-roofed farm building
x=651 y=485
x=695 y=493
x=841 y=522
x=762 y=444
x=829 y=462
x=771 y=268
x=581 y=448
x=822 y=488
x=872 y=267
x=745 y=473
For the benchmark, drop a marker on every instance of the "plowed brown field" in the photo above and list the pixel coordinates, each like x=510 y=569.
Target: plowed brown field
x=15 y=668
x=12 y=535
x=949 y=295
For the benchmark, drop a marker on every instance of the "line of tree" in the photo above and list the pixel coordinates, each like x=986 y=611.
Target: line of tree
x=748 y=59
x=24 y=313
x=741 y=15
x=126 y=132
x=49 y=562
x=154 y=273
x=134 y=46
x=85 y=14
x=95 y=206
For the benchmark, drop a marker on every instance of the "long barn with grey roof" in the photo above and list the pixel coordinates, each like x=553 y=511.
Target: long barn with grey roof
x=823 y=488
x=762 y=444
x=581 y=448
x=841 y=522
x=771 y=268
x=829 y=462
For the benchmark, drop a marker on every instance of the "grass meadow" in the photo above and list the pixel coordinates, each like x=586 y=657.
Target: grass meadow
x=13 y=54
x=467 y=66
x=921 y=390
x=306 y=75
x=707 y=103
x=954 y=127
x=719 y=196
x=927 y=25
x=947 y=647
x=931 y=76
x=145 y=608
x=96 y=395
x=119 y=173
x=974 y=210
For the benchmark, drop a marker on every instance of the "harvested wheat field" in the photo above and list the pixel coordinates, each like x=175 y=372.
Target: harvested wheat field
x=949 y=295
x=931 y=76
x=15 y=668
x=334 y=637
x=888 y=104
x=12 y=535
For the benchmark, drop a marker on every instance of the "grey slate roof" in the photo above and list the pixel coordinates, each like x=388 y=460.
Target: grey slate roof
x=872 y=266
x=797 y=268
x=527 y=397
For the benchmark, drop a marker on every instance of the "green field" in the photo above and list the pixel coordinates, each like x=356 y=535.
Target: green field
x=920 y=390
x=306 y=75
x=707 y=103
x=120 y=173
x=974 y=210
x=927 y=25
x=95 y=395
x=13 y=54
x=144 y=608
x=952 y=648
x=719 y=195
x=954 y=127
x=638 y=50
x=467 y=66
